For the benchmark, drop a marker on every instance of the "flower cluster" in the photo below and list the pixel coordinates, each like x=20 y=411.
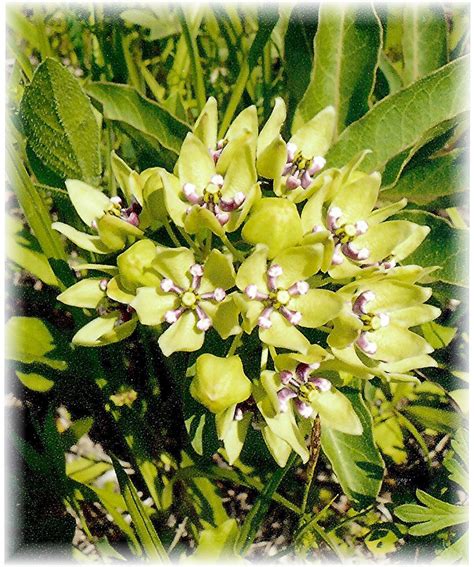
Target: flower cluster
x=254 y=240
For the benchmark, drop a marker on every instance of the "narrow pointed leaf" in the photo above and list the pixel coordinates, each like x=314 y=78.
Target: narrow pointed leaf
x=144 y=528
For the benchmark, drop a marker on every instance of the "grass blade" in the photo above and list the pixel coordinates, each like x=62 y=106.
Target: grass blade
x=257 y=514
x=144 y=528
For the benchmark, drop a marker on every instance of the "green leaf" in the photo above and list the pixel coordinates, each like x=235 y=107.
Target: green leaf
x=437 y=335
x=433 y=139
x=217 y=543
x=126 y=105
x=256 y=516
x=346 y=47
x=22 y=249
x=389 y=437
x=433 y=517
x=33 y=206
x=59 y=123
x=218 y=473
x=85 y=470
x=429 y=180
x=29 y=341
x=35 y=382
x=298 y=52
x=144 y=528
x=266 y=22
x=355 y=459
x=441 y=420
x=424 y=40
x=396 y=123
x=160 y=27
x=444 y=246
x=456 y=552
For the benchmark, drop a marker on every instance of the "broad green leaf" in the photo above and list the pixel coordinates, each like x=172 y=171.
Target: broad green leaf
x=396 y=123
x=429 y=180
x=125 y=104
x=298 y=52
x=346 y=50
x=355 y=459
x=144 y=528
x=23 y=250
x=424 y=40
x=35 y=382
x=59 y=123
x=444 y=246
x=432 y=140
x=441 y=420
x=29 y=341
x=382 y=539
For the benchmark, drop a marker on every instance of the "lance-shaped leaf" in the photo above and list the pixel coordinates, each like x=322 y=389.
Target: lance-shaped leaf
x=355 y=458
x=124 y=104
x=346 y=48
x=30 y=341
x=59 y=123
x=144 y=528
x=444 y=246
x=424 y=40
x=432 y=179
x=398 y=121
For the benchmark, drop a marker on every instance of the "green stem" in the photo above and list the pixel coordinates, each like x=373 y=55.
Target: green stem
x=196 y=68
x=313 y=461
x=267 y=77
x=273 y=351
x=110 y=173
x=264 y=359
x=235 y=344
x=208 y=244
x=171 y=234
x=189 y=240
x=237 y=253
x=157 y=90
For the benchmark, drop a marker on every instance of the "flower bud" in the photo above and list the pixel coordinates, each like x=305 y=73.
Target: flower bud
x=220 y=382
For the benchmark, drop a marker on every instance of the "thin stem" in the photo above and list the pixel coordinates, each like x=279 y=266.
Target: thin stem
x=313 y=461
x=110 y=174
x=208 y=244
x=170 y=233
x=264 y=359
x=273 y=351
x=196 y=68
x=188 y=239
x=237 y=253
x=235 y=344
x=267 y=77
